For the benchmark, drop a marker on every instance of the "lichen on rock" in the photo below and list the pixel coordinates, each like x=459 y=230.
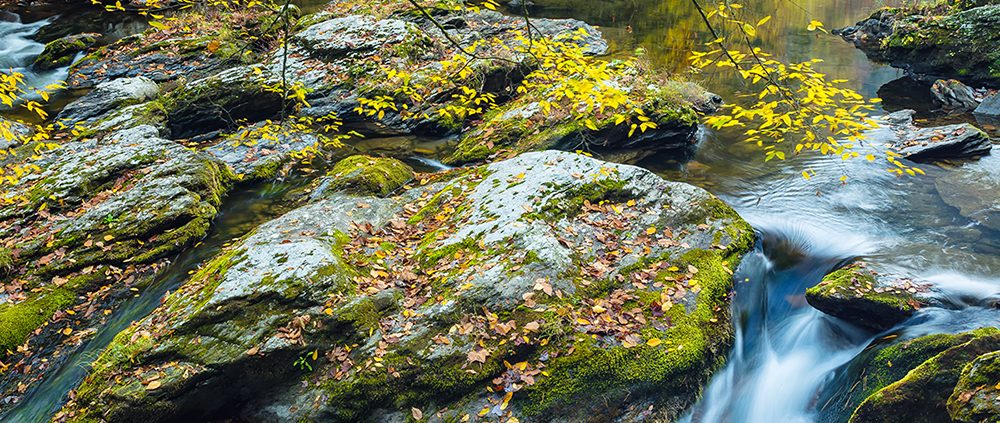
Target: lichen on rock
x=427 y=297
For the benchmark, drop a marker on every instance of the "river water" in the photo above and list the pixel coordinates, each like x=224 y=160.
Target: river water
x=786 y=354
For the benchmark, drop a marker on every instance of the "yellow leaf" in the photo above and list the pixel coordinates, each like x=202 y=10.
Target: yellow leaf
x=654 y=342
x=650 y=230
x=67 y=331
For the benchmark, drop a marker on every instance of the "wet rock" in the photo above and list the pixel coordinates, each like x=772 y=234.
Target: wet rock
x=917 y=379
x=439 y=286
x=107 y=97
x=60 y=53
x=976 y=397
x=922 y=394
x=866 y=297
x=954 y=96
x=19 y=133
x=948 y=41
x=958 y=141
x=366 y=175
x=126 y=200
x=972 y=189
x=989 y=108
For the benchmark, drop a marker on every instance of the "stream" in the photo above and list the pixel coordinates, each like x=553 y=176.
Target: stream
x=787 y=357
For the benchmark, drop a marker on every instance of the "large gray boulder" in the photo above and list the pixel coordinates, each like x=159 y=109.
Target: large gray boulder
x=353 y=308
x=97 y=218
x=107 y=97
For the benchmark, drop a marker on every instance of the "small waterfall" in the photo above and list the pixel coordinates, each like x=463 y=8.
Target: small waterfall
x=784 y=350
x=18 y=51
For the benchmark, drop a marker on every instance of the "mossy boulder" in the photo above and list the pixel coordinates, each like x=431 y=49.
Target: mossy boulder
x=942 y=40
x=126 y=200
x=976 y=397
x=194 y=44
x=863 y=296
x=521 y=125
x=890 y=365
x=369 y=175
x=581 y=287
x=60 y=53
x=922 y=394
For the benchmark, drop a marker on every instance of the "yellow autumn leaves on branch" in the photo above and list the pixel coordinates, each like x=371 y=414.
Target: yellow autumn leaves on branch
x=795 y=106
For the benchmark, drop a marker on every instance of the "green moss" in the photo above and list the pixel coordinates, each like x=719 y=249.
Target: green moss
x=370 y=175
x=19 y=320
x=975 y=395
x=571 y=203
x=60 y=52
x=921 y=395
x=693 y=347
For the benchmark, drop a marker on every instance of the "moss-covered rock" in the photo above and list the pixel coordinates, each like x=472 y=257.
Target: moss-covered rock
x=127 y=200
x=863 y=296
x=60 y=53
x=940 y=39
x=921 y=395
x=428 y=299
x=976 y=397
x=369 y=175
x=521 y=125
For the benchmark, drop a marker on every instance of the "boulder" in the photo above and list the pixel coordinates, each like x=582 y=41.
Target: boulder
x=989 y=108
x=957 y=141
x=923 y=379
x=976 y=397
x=520 y=125
x=577 y=286
x=352 y=34
x=367 y=175
x=60 y=53
x=334 y=51
x=951 y=41
x=867 y=298
x=253 y=153
x=130 y=198
x=954 y=96
x=107 y=97
x=922 y=395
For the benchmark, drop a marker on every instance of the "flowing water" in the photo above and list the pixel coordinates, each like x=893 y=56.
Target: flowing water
x=18 y=49
x=787 y=356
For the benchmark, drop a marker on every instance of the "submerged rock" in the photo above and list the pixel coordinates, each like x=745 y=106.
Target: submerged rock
x=60 y=53
x=958 y=141
x=866 y=297
x=972 y=188
x=107 y=97
x=605 y=285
